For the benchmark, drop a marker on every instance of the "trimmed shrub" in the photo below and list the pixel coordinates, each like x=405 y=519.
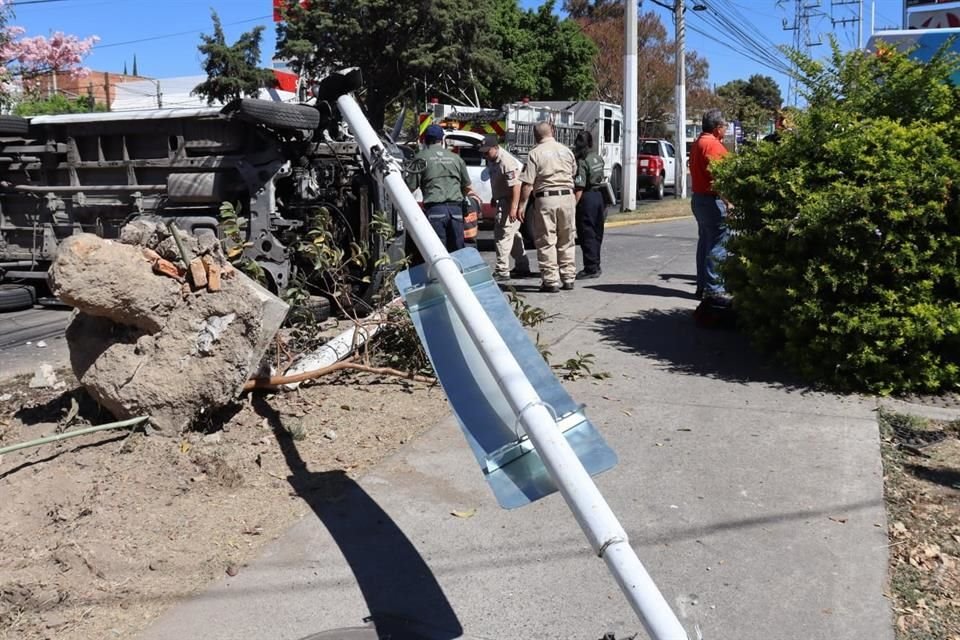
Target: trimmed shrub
x=846 y=234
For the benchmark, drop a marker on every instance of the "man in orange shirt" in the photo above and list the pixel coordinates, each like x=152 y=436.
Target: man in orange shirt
x=709 y=208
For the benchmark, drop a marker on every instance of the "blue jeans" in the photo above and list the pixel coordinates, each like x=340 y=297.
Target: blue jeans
x=447 y=221
x=711 y=214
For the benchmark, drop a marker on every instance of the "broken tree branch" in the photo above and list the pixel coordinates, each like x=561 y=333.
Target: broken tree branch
x=341 y=346
x=73 y=434
x=274 y=381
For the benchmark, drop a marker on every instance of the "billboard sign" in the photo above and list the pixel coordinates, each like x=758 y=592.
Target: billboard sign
x=922 y=44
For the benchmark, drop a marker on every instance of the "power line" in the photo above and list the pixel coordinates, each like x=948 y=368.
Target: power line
x=743 y=37
x=743 y=53
x=171 y=35
x=23 y=2
x=742 y=30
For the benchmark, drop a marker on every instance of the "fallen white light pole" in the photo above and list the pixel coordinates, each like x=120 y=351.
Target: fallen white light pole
x=342 y=345
x=592 y=512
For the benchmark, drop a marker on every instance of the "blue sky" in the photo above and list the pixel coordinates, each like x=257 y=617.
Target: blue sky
x=145 y=28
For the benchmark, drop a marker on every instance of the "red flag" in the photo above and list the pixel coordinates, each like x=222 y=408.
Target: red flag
x=286 y=81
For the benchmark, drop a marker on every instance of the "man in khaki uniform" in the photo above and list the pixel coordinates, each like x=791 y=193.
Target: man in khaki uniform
x=505 y=184
x=548 y=175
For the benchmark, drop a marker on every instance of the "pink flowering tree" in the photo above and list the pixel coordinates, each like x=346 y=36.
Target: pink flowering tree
x=31 y=57
x=60 y=53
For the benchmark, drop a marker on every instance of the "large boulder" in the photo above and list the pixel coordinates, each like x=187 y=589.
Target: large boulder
x=144 y=343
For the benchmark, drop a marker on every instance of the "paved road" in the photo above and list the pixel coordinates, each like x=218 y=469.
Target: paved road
x=20 y=331
x=755 y=503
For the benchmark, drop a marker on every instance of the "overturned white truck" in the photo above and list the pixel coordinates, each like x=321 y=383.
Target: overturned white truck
x=62 y=175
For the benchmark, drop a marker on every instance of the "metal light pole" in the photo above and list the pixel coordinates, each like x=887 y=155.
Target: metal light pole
x=680 y=143
x=596 y=519
x=860 y=25
x=628 y=173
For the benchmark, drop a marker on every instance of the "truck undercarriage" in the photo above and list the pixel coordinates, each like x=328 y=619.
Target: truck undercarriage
x=277 y=163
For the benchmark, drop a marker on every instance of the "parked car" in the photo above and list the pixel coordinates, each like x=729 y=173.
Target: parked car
x=656 y=167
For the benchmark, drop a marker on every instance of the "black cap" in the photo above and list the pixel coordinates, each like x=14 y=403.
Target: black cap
x=490 y=141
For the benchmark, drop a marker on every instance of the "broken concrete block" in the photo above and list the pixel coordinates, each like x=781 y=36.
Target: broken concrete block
x=112 y=280
x=152 y=233
x=140 y=348
x=143 y=232
x=43 y=378
x=210 y=331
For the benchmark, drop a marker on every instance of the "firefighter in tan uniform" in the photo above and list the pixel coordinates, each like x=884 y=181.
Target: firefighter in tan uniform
x=505 y=184
x=548 y=176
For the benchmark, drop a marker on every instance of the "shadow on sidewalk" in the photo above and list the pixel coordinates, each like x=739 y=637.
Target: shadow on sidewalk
x=678 y=276
x=643 y=290
x=402 y=595
x=671 y=337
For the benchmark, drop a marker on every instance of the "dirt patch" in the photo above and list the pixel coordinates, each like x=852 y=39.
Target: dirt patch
x=100 y=533
x=921 y=460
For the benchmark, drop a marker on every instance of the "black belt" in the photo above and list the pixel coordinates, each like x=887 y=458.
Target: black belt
x=547 y=194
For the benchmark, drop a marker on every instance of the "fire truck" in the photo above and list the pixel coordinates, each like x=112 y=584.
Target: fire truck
x=513 y=124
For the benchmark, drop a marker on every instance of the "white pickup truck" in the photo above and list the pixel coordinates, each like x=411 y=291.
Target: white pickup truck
x=656 y=167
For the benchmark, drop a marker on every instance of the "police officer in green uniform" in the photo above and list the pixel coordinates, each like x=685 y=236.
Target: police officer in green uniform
x=442 y=178
x=591 y=212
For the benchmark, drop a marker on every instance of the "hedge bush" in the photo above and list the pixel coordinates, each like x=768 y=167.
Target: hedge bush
x=846 y=233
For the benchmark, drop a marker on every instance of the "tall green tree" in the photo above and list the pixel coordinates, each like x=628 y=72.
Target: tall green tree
x=394 y=44
x=542 y=56
x=754 y=102
x=593 y=9
x=602 y=21
x=232 y=69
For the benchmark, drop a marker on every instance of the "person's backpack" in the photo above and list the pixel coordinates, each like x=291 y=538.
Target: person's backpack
x=594 y=170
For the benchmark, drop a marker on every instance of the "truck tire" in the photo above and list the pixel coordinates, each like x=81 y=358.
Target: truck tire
x=14 y=125
x=14 y=297
x=276 y=115
x=616 y=182
x=658 y=189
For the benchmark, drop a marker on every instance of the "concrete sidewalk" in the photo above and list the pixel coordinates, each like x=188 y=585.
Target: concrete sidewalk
x=755 y=504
